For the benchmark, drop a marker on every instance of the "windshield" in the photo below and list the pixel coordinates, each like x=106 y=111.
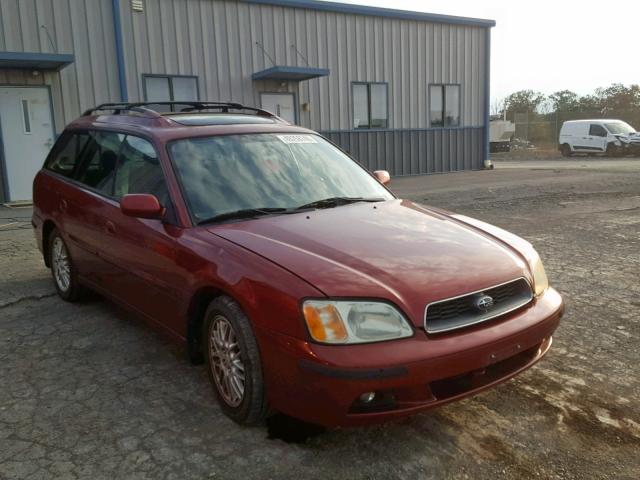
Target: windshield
x=619 y=128
x=224 y=174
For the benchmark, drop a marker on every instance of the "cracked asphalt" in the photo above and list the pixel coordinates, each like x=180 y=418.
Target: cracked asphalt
x=89 y=391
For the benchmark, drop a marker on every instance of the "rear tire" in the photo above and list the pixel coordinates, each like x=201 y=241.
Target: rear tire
x=565 y=150
x=233 y=362
x=65 y=277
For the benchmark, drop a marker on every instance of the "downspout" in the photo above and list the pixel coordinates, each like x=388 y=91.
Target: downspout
x=117 y=27
x=487 y=93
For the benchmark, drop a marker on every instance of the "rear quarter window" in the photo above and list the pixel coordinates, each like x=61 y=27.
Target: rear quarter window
x=65 y=156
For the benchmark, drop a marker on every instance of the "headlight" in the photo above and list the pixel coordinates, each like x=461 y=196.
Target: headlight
x=541 y=283
x=343 y=321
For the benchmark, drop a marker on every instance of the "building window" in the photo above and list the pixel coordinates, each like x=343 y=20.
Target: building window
x=444 y=108
x=170 y=88
x=370 y=105
x=26 y=116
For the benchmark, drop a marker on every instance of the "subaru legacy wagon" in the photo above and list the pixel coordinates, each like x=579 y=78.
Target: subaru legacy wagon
x=306 y=286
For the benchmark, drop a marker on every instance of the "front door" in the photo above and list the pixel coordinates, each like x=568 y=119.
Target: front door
x=281 y=104
x=27 y=136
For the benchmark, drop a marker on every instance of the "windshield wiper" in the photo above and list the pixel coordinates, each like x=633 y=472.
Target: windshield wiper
x=244 y=213
x=337 y=201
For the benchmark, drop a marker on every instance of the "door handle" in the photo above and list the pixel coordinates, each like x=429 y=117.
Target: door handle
x=63 y=205
x=109 y=227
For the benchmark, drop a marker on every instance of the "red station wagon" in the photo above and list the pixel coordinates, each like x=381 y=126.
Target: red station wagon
x=306 y=286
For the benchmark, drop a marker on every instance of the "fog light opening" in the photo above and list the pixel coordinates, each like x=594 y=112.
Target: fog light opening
x=367 y=397
x=370 y=402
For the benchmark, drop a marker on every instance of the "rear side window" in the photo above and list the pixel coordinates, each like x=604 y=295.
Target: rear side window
x=65 y=158
x=597 y=131
x=139 y=170
x=97 y=166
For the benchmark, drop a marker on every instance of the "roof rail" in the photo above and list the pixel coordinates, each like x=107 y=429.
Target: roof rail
x=145 y=109
x=119 y=108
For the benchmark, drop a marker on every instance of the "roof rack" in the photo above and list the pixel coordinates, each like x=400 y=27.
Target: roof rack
x=143 y=108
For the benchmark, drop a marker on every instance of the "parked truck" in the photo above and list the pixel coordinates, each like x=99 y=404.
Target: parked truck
x=500 y=134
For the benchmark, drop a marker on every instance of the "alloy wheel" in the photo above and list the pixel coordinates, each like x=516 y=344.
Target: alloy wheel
x=226 y=361
x=61 y=264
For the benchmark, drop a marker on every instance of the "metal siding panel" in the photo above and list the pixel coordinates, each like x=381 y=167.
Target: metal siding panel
x=11 y=25
x=322 y=84
x=412 y=53
x=396 y=74
x=398 y=148
x=246 y=47
x=405 y=96
x=222 y=51
x=29 y=26
x=387 y=71
x=422 y=152
x=422 y=83
x=3 y=41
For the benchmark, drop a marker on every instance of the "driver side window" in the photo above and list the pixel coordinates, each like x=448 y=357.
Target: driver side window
x=597 y=131
x=139 y=170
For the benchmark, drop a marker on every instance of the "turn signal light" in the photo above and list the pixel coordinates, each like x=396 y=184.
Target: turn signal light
x=324 y=322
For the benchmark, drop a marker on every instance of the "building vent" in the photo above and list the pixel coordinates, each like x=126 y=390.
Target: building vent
x=137 y=5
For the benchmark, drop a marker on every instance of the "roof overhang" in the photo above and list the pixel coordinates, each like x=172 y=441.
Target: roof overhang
x=353 y=9
x=35 y=61
x=290 y=73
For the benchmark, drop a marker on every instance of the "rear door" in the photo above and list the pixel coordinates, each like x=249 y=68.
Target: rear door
x=84 y=196
x=144 y=271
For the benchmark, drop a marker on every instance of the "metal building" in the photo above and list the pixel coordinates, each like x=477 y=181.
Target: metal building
x=402 y=91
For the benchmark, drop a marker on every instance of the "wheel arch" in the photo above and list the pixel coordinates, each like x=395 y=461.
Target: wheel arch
x=195 y=317
x=47 y=227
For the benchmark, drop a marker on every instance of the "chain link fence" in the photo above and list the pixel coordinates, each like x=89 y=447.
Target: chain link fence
x=542 y=130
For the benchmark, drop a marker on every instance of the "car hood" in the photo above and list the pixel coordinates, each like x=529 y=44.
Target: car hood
x=394 y=250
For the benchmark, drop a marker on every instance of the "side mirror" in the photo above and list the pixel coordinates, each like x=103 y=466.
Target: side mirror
x=141 y=205
x=382 y=176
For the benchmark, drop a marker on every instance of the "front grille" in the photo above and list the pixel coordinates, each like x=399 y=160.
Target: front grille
x=462 y=311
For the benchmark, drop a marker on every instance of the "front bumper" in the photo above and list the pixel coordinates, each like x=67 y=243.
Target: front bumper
x=322 y=384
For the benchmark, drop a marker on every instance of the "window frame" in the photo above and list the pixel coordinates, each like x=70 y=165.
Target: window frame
x=61 y=143
x=170 y=78
x=353 y=105
x=443 y=87
x=604 y=131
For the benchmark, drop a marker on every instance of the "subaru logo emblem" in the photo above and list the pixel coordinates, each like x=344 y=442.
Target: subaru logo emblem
x=483 y=302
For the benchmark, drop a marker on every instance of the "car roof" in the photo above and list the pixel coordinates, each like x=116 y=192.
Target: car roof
x=191 y=119
x=595 y=120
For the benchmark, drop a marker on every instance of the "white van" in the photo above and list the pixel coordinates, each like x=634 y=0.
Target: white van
x=613 y=137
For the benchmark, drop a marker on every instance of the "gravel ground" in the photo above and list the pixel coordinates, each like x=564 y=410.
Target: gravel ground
x=88 y=391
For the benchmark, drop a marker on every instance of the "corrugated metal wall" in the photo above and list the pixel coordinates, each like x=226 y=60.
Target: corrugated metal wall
x=414 y=151
x=81 y=27
x=216 y=41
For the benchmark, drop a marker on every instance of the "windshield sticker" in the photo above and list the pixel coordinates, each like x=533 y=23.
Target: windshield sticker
x=297 y=138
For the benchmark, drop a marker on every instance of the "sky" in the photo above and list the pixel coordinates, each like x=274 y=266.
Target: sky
x=550 y=45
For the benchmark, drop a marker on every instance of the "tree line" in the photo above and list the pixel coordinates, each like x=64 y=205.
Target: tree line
x=616 y=101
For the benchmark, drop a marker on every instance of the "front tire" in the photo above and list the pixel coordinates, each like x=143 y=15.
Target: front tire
x=613 y=150
x=233 y=362
x=63 y=270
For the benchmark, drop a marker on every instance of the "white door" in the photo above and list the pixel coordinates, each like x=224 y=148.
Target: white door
x=279 y=103
x=27 y=136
